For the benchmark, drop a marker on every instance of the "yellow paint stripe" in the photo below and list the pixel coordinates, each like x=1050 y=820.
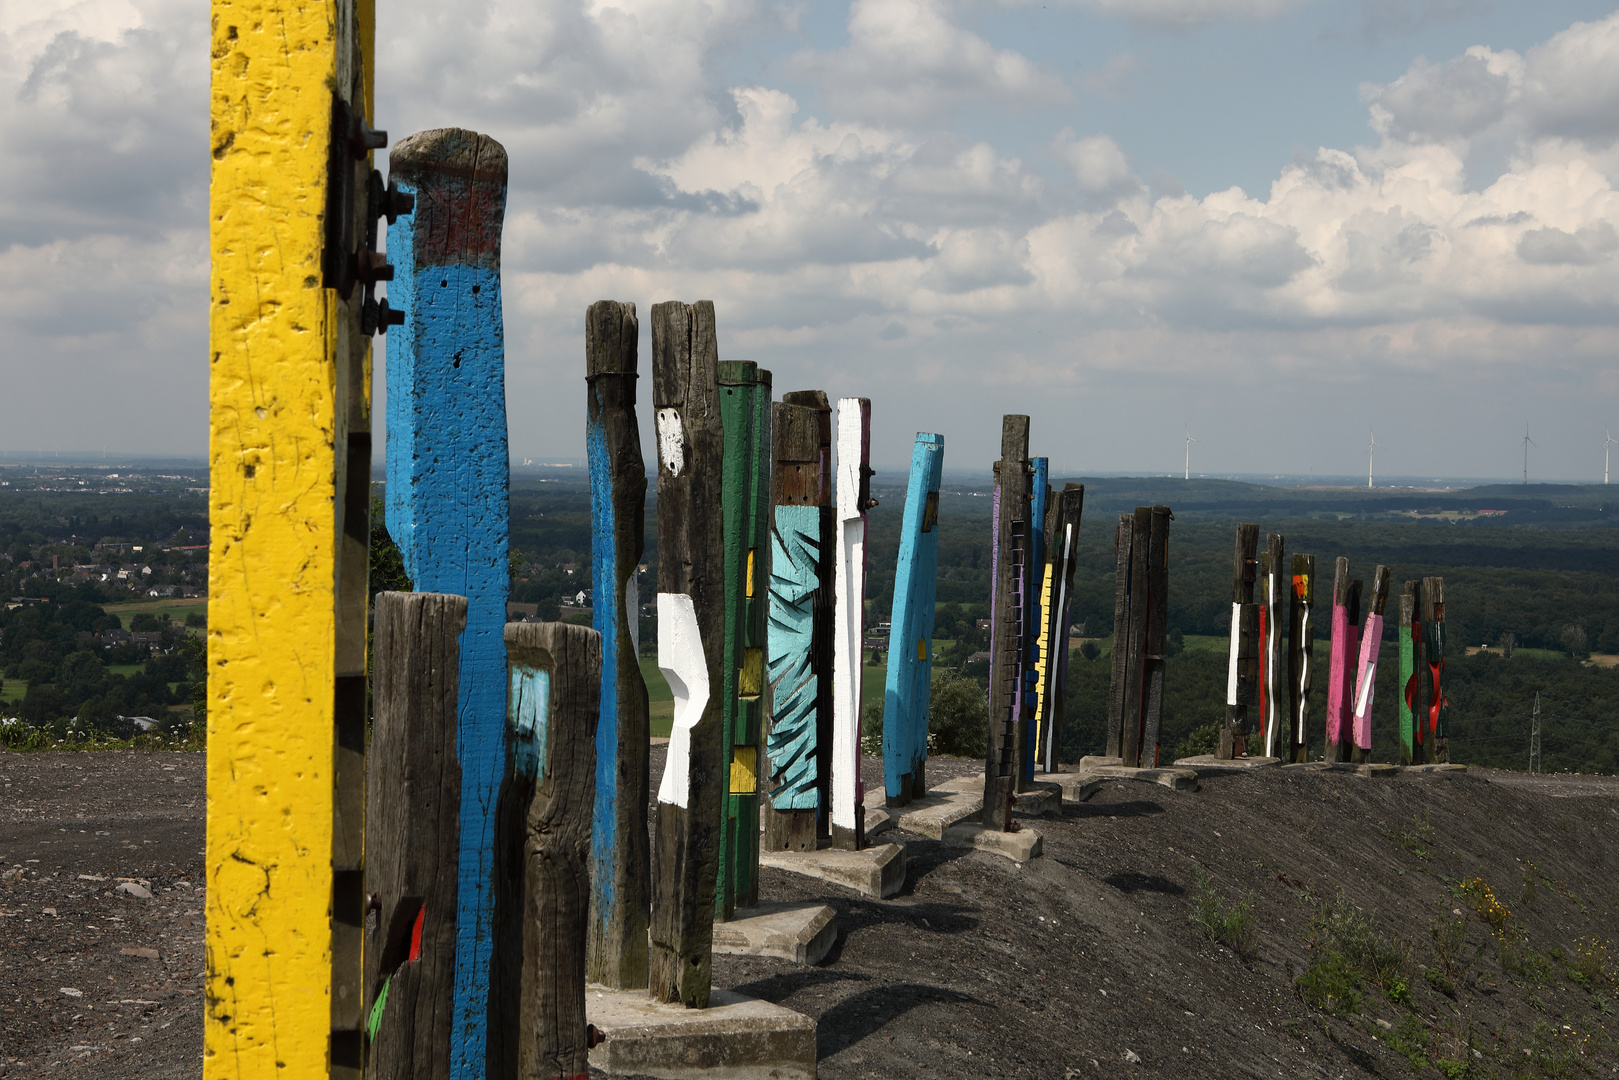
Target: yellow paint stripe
x=276 y=430
x=1040 y=665
x=744 y=770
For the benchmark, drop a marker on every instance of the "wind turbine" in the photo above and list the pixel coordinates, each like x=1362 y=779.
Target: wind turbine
x=1527 y=443
x=1371 y=449
x=1189 y=442
x=1605 y=444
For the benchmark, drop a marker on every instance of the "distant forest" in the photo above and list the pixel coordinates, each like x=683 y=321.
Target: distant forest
x=1535 y=567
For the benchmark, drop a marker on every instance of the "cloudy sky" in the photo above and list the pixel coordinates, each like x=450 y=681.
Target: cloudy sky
x=1277 y=222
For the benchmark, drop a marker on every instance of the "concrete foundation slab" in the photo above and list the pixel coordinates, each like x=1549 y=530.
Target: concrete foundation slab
x=802 y=933
x=877 y=871
x=1042 y=800
x=932 y=815
x=1209 y=761
x=1376 y=769
x=878 y=819
x=1323 y=766
x=1076 y=787
x=1094 y=761
x=1020 y=846
x=1447 y=768
x=735 y=1038
x=1175 y=778
x=972 y=784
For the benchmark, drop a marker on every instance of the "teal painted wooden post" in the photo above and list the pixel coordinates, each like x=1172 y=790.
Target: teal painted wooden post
x=910 y=635
x=447 y=467
x=744 y=397
x=620 y=870
x=796 y=681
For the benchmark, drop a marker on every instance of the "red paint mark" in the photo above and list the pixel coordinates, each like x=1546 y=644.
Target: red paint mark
x=416 y=936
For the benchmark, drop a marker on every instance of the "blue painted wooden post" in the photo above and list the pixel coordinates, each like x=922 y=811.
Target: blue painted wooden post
x=1030 y=666
x=620 y=870
x=797 y=550
x=447 y=487
x=910 y=637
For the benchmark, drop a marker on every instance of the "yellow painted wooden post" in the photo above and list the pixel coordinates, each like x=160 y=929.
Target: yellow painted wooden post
x=290 y=446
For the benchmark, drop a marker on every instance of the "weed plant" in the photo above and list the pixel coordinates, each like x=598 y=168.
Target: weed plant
x=1231 y=924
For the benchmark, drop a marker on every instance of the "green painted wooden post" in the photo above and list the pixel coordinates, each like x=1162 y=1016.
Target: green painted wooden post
x=1409 y=622
x=744 y=397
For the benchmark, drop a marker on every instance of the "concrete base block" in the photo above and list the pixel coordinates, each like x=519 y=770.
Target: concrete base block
x=1323 y=766
x=802 y=933
x=1209 y=761
x=941 y=809
x=1447 y=768
x=972 y=784
x=1020 y=846
x=1076 y=787
x=1044 y=799
x=1096 y=762
x=1177 y=779
x=1376 y=769
x=878 y=819
x=735 y=1038
x=877 y=872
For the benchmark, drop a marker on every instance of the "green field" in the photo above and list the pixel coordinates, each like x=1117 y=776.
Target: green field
x=176 y=609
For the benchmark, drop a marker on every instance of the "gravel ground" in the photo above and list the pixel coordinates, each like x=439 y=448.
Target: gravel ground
x=1082 y=962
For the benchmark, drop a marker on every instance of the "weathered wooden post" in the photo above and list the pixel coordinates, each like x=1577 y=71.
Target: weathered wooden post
x=744 y=397
x=620 y=871
x=910 y=635
x=1433 y=651
x=1242 y=673
x=292 y=221
x=1270 y=660
x=1032 y=662
x=413 y=831
x=1300 y=655
x=542 y=854
x=448 y=484
x=1410 y=647
x=1062 y=535
x=1371 y=641
x=1007 y=632
x=1156 y=636
x=798 y=548
x=1140 y=601
x=1119 y=657
x=849 y=621
x=691 y=649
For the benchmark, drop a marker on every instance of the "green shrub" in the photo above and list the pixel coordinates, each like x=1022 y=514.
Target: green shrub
x=1344 y=929
x=1439 y=982
x=1330 y=985
x=958 y=716
x=1203 y=739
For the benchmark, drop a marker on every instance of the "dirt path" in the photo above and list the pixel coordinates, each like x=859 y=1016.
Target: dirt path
x=1066 y=966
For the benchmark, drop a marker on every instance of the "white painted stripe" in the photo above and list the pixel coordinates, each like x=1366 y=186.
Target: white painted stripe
x=671 y=441
x=1231 y=669
x=680 y=658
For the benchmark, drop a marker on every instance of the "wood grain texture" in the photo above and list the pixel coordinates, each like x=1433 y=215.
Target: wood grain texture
x=1007 y=632
x=849 y=621
x=1273 y=669
x=448 y=463
x=1337 y=658
x=910 y=636
x=1062 y=539
x=1119 y=658
x=1433 y=656
x=620 y=899
x=1410 y=625
x=1242 y=673
x=413 y=834
x=1365 y=684
x=1034 y=604
x=1135 y=671
x=289 y=453
x=744 y=397
x=1300 y=654
x=691 y=446
x=1155 y=638
x=542 y=853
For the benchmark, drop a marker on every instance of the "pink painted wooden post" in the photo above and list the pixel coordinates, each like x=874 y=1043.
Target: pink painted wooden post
x=1366 y=684
x=1338 y=658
